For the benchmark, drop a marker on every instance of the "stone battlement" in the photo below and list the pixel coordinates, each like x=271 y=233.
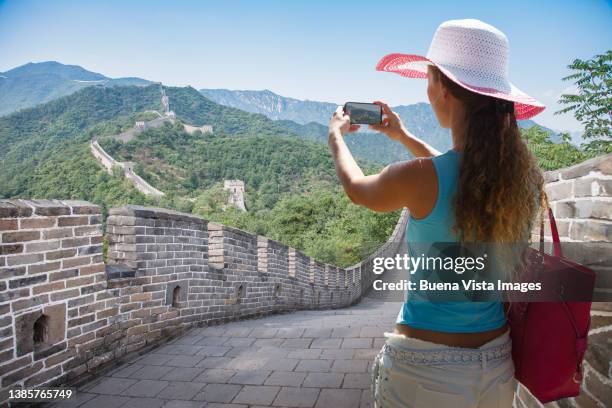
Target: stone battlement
x=63 y=312
x=108 y=162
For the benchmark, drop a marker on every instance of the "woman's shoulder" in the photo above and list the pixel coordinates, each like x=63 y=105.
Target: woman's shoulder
x=447 y=164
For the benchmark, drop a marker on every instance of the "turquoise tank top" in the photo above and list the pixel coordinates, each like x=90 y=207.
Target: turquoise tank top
x=444 y=316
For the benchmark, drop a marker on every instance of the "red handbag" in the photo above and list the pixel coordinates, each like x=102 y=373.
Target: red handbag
x=549 y=338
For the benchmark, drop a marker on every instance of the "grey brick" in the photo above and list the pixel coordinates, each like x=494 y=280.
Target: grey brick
x=326 y=343
x=337 y=354
x=285 y=378
x=141 y=402
x=349 y=366
x=218 y=393
x=181 y=390
x=145 y=388
x=112 y=386
x=215 y=375
x=214 y=362
x=105 y=401
x=257 y=394
x=184 y=361
x=320 y=366
x=297 y=397
x=282 y=364
x=353 y=343
x=182 y=374
x=151 y=372
x=183 y=404
x=357 y=380
x=338 y=398
x=254 y=377
x=307 y=354
x=327 y=380
x=317 y=332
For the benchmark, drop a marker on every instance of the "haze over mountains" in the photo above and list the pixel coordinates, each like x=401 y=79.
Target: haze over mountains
x=35 y=83
x=418 y=118
x=292 y=192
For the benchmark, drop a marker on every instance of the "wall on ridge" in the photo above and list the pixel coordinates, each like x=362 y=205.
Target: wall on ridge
x=109 y=162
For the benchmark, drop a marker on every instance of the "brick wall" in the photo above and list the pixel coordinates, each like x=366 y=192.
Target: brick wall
x=229 y=273
x=63 y=312
x=53 y=298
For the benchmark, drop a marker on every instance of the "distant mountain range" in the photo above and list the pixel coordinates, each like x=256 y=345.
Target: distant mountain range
x=419 y=118
x=35 y=83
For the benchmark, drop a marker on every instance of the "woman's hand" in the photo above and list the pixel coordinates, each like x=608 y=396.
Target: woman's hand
x=341 y=122
x=392 y=125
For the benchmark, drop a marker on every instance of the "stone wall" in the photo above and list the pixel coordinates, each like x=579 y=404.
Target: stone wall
x=63 y=312
x=108 y=162
x=192 y=129
x=581 y=199
x=54 y=305
x=236 y=193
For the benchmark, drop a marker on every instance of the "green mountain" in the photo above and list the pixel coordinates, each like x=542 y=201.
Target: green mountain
x=292 y=192
x=35 y=83
x=272 y=105
x=418 y=118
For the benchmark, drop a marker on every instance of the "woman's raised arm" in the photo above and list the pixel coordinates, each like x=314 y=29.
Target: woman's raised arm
x=398 y=185
x=393 y=127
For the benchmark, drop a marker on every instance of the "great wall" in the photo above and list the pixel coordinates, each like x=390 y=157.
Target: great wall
x=67 y=315
x=235 y=187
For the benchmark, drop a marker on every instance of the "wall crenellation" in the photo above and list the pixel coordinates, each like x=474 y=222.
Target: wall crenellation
x=63 y=312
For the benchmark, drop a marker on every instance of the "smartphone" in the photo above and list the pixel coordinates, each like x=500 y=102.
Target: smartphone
x=363 y=113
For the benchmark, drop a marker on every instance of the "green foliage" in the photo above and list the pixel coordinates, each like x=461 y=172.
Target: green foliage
x=292 y=192
x=175 y=161
x=552 y=155
x=194 y=108
x=45 y=150
x=593 y=103
x=211 y=201
x=323 y=223
x=33 y=137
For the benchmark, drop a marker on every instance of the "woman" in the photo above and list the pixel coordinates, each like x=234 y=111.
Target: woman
x=487 y=188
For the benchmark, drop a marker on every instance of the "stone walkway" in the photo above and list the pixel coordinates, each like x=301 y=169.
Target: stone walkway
x=315 y=359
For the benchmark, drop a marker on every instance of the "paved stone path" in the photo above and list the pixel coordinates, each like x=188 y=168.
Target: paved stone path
x=315 y=359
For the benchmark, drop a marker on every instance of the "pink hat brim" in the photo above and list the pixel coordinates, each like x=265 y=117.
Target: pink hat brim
x=415 y=66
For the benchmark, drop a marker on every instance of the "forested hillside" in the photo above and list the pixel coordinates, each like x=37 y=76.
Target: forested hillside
x=292 y=192
x=44 y=150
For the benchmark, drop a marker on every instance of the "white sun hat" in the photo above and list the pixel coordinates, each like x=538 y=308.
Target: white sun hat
x=473 y=54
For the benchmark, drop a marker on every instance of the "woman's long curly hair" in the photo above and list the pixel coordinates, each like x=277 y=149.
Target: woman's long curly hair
x=500 y=189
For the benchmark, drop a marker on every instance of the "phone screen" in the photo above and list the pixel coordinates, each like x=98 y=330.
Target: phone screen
x=363 y=113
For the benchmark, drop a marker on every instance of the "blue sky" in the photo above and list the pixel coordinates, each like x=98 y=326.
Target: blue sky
x=318 y=50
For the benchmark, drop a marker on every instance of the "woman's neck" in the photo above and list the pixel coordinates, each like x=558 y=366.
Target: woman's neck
x=457 y=134
x=457 y=126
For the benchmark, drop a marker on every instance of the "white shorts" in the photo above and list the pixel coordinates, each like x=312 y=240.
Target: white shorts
x=412 y=373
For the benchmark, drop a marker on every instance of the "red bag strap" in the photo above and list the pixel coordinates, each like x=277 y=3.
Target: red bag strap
x=554 y=232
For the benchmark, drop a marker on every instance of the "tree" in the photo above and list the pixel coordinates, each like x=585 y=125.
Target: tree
x=593 y=103
x=552 y=155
